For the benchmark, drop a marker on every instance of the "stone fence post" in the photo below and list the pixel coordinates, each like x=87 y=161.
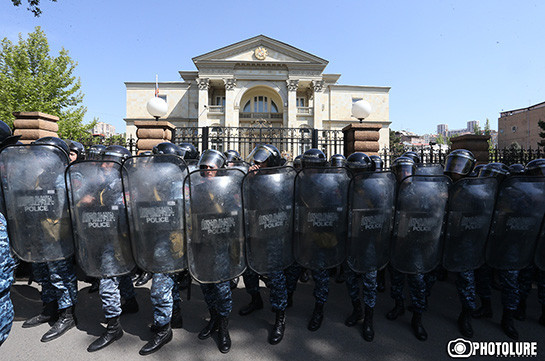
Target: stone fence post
x=361 y=137
x=34 y=125
x=152 y=132
x=476 y=144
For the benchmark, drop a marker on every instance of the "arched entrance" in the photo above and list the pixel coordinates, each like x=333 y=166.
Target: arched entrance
x=261 y=103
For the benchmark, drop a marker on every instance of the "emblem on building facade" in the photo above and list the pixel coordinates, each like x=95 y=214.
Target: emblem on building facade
x=261 y=53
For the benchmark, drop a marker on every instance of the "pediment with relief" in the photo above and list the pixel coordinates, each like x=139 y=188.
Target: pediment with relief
x=260 y=49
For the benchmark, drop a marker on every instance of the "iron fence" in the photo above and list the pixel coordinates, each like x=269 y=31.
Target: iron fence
x=130 y=143
x=290 y=141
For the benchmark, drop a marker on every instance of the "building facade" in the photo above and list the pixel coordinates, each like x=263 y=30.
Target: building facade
x=521 y=126
x=255 y=82
x=103 y=129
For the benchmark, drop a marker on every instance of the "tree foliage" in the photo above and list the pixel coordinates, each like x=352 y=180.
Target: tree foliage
x=31 y=79
x=33 y=6
x=395 y=143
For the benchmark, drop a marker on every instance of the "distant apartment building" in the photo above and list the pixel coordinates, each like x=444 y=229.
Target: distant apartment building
x=103 y=129
x=442 y=129
x=472 y=125
x=521 y=126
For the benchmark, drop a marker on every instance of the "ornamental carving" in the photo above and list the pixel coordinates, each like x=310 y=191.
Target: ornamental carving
x=292 y=84
x=203 y=83
x=230 y=83
x=318 y=85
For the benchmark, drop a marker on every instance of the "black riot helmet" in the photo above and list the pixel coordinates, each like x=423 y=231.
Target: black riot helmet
x=413 y=155
x=459 y=162
x=77 y=148
x=116 y=153
x=212 y=158
x=297 y=162
x=379 y=164
x=266 y=153
x=403 y=167
x=146 y=153
x=54 y=141
x=535 y=167
x=498 y=170
x=167 y=148
x=190 y=152
x=517 y=169
x=95 y=151
x=337 y=160
x=6 y=137
x=232 y=156
x=360 y=162
x=313 y=158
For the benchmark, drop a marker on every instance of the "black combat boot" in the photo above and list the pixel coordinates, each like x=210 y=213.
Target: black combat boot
x=66 y=321
x=464 y=323
x=357 y=314
x=254 y=305
x=398 y=310
x=317 y=317
x=176 y=320
x=130 y=306
x=113 y=333
x=49 y=313
x=485 y=311
x=520 y=313
x=224 y=340
x=163 y=335
x=278 y=329
x=508 y=324
x=368 y=331
x=418 y=328
x=210 y=327
x=143 y=279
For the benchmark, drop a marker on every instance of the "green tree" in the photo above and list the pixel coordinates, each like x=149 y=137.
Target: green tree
x=440 y=139
x=395 y=143
x=487 y=127
x=31 y=79
x=477 y=130
x=33 y=5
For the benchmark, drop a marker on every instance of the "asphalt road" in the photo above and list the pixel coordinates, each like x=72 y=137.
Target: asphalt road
x=393 y=340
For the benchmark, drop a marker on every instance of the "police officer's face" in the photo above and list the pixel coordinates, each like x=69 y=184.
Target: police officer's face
x=73 y=156
x=207 y=174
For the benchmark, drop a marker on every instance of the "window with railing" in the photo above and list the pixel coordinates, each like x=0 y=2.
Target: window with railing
x=260 y=106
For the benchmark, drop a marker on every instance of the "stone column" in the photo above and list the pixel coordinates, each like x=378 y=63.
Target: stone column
x=231 y=114
x=151 y=133
x=35 y=125
x=476 y=144
x=204 y=85
x=317 y=86
x=362 y=137
x=292 y=85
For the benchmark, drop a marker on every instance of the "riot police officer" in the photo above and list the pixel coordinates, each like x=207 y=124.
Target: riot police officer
x=57 y=278
x=112 y=289
x=216 y=295
x=263 y=157
x=77 y=150
x=337 y=160
x=96 y=151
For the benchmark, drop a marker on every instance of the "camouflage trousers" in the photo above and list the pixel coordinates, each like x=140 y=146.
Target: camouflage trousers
x=465 y=285
x=111 y=291
x=277 y=284
x=417 y=288
x=218 y=297
x=320 y=277
x=292 y=274
x=58 y=281
x=369 y=282
x=165 y=298
x=6 y=316
x=509 y=289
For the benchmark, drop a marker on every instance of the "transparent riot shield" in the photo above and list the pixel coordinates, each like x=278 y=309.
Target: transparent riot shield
x=420 y=210
x=372 y=200
x=214 y=224
x=518 y=215
x=470 y=210
x=99 y=218
x=154 y=189
x=321 y=212
x=429 y=169
x=35 y=200
x=268 y=218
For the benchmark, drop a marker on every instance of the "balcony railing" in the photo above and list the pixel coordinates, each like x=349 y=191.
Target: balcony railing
x=216 y=109
x=305 y=110
x=245 y=115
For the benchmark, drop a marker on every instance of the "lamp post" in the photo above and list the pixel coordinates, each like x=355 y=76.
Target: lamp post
x=157 y=107
x=361 y=110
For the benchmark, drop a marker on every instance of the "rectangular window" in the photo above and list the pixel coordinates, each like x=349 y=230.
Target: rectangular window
x=220 y=101
x=300 y=102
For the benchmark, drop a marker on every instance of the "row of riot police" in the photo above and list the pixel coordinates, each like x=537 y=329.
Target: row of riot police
x=166 y=213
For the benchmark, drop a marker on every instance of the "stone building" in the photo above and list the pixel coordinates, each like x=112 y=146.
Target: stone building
x=259 y=81
x=521 y=126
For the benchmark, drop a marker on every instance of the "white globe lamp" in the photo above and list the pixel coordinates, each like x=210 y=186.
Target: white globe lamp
x=361 y=109
x=157 y=107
